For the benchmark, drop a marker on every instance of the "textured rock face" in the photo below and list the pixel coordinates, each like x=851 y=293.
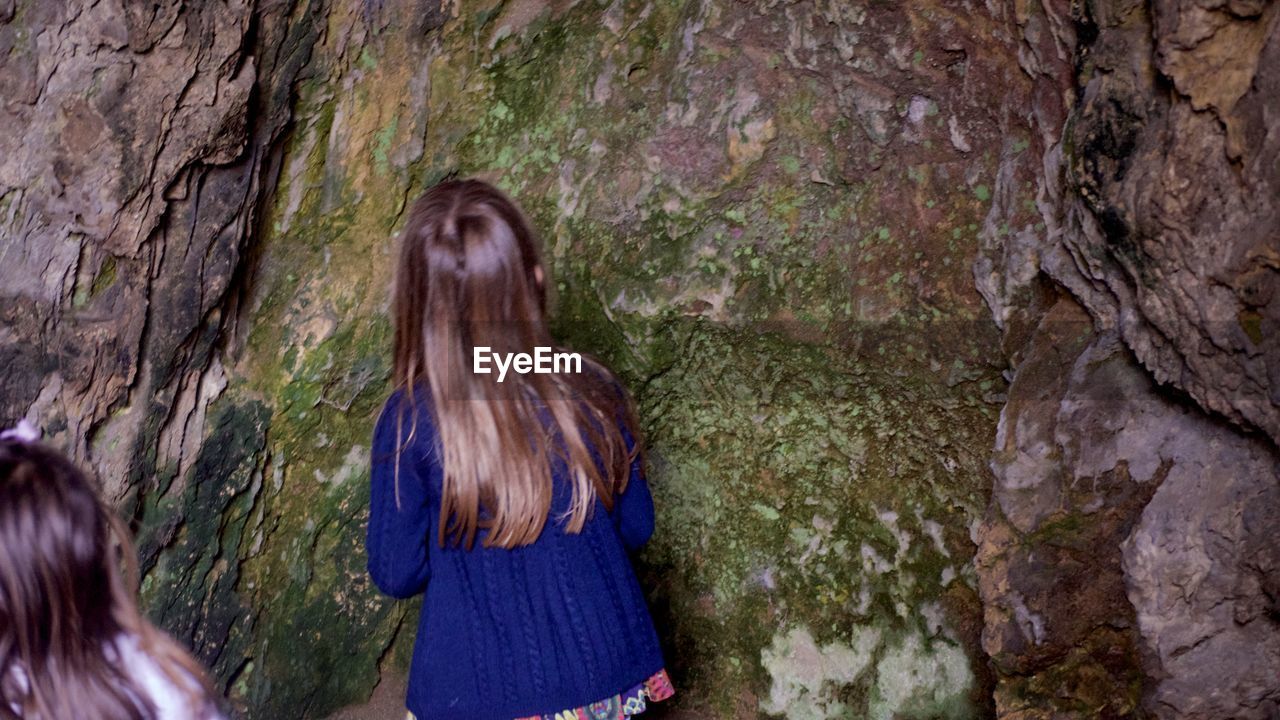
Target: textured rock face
x=750 y=209
x=1139 y=501
x=1049 y=563
x=1128 y=560
x=1201 y=572
x=128 y=181
x=1181 y=249
x=138 y=147
x=810 y=235
x=759 y=276
x=1128 y=553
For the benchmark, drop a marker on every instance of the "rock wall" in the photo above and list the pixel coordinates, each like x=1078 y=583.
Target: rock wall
x=838 y=250
x=140 y=147
x=1126 y=563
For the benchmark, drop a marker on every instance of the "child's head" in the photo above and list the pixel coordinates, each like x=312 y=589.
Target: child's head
x=469 y=270
x=470 y=277
x=63 y=600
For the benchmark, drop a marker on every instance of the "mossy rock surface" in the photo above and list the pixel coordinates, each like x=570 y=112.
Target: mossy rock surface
x=760 y=217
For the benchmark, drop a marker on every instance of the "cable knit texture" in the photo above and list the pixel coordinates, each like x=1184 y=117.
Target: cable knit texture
x=506 y=633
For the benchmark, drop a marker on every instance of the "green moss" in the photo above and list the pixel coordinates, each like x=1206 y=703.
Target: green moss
x=189 y=543
x=382 y=145
x=786 y=485
x=1100 y=676
x=921 y=680
x=1251 y=324
x=317 y=598
x=801 y=474
x=105 y=278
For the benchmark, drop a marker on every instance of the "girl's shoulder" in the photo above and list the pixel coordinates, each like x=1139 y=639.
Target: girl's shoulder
x=402 y=395
x=171 y=701
x=406 y=402
x=405 y=407
x=405 y=422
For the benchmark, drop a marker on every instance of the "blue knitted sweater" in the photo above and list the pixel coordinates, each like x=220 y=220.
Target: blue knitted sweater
x=507 y=633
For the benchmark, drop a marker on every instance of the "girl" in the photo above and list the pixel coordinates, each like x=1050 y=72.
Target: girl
x=512 y=504
x=72 y=642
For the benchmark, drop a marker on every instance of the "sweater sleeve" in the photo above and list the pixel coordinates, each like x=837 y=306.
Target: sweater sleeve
x=633 y=508
x=397 y=536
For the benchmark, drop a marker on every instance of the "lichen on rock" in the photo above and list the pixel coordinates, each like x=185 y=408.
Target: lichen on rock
x=823 y=242
x=807 y=679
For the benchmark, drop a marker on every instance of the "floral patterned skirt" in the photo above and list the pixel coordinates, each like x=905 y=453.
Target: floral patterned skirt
x=619 y=707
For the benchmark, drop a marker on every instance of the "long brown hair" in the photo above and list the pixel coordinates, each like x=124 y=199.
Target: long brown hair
x=64 y=600
x=470 y=276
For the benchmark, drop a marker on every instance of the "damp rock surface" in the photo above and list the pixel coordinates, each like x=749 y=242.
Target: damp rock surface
x=951 y=324
x=1122 y=557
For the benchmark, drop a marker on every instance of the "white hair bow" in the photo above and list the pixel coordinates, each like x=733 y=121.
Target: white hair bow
x=24 y=431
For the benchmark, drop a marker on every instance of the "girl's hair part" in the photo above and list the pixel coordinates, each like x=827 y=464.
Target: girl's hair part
x=470 y=276
x=68 y=583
